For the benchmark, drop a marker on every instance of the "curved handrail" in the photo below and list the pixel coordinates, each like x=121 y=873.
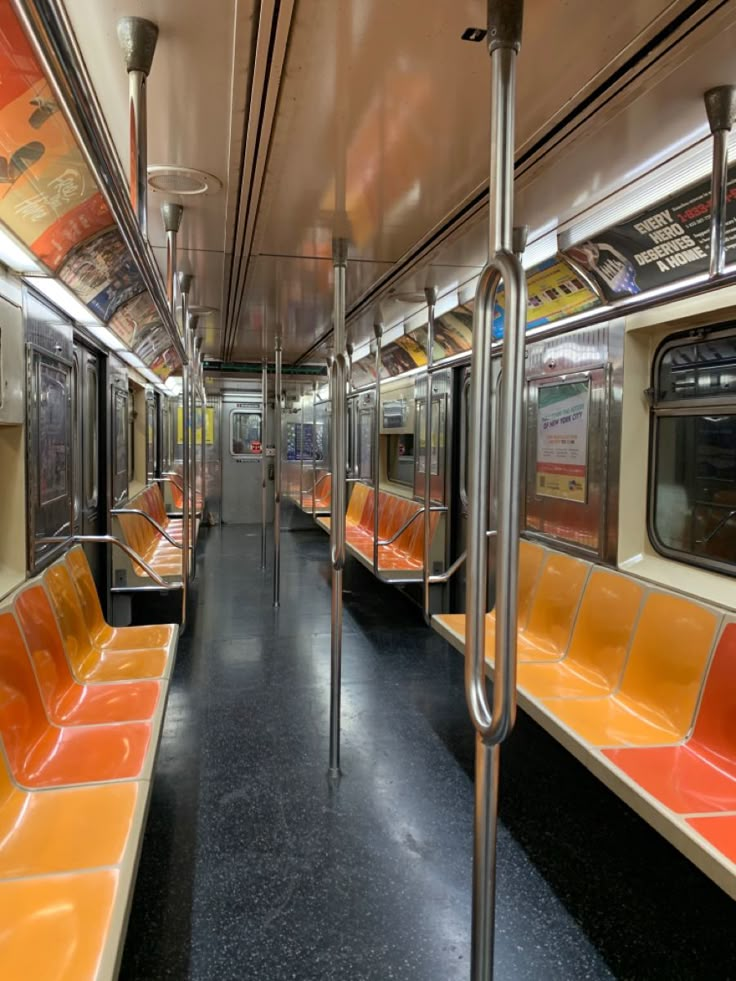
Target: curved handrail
x=494 y=721
x=147 y=516
x=402 y=529
x=111 y=540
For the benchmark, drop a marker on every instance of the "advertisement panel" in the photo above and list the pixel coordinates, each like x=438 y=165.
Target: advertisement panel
x=562 y=441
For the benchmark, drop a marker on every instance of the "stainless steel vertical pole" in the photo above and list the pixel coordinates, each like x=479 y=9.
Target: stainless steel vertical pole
x=720 y=105
x=171 y=214
x=277 y=480
x=337 y=520
x=431 y=295
x=264 y=466
x=493 y=723
x=185 y=371
x=203 y=426
x=193 y=507
x=378 y=334
x=185 y=282
x=314 y=448
x=137 y=39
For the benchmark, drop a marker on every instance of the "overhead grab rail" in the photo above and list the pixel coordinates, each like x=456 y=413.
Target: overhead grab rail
x=494 y=720
x=150 y=520
x=111 y=540
x=52 y=38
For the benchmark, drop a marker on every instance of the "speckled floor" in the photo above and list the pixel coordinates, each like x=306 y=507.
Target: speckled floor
x=255 y=866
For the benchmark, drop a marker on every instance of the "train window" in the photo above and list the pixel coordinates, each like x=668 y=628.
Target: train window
x=401 y=458
x=693 y=492
x=245 y=433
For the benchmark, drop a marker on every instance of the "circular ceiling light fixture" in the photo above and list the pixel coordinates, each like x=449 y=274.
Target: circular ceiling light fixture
x=182 y=181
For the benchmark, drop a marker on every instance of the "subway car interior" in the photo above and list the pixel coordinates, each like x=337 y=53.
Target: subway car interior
x=367 y=490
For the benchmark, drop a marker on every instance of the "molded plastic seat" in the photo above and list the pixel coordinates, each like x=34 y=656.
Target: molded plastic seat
x=49 y=831
x=69 y=703
x=553 y=609
x=661 y=682
x=55 y=927
x=90 y=662
x=43 y=755
x=699 y=775
x=720 y=831
x=548 y=599
x=600 y=641
x=322 y=498
x=100 y=632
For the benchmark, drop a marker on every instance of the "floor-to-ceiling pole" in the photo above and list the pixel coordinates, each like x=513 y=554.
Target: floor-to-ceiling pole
x=494 y=721
x=185 y=282
x=277 y=478
x=378 y=335
x=339 y=485
x=264 y=467
x=431 y=295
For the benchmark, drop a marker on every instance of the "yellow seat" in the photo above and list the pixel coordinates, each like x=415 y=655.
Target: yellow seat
x=661 y=682
x=90 y=662
x=50 y=831
x=55 y=927
x=600 y=642
x=531 y=557
x=553 y=608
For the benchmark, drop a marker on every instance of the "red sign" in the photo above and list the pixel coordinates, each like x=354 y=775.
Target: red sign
x=255 y=446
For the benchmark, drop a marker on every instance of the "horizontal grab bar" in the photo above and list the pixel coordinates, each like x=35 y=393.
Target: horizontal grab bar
x=111 y=540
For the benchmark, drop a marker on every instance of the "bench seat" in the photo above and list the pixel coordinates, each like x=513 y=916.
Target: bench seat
x=76 y=762
x=122 y=658
x=163 y=556
x=644 y=695
x=405 y=555
x=321 y=495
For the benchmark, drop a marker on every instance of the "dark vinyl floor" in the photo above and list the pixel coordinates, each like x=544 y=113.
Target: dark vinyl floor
x=256 y=866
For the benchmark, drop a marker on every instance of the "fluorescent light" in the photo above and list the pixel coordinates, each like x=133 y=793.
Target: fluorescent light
x=16 y=256
x=106 y=337
x=133 y=360
x=63 y=297
x=544 y=247
x=173 y=385
x=446 y=303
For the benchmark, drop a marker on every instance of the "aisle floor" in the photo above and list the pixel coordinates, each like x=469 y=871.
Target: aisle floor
x=256 y=866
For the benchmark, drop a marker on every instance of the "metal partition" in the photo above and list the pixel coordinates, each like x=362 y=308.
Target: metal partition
x=49 y=366
x=573 y=439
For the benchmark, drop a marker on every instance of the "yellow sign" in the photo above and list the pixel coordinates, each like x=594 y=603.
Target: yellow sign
x=209 y=426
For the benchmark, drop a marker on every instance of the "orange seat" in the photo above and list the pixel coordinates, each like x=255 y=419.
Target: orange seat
x=44 y=755
x=321 y=493
x=55 y=927
x=163 y=556
x=89 y=661
x=100 y=632
x=552 y=612
x=50 y=831
x=600 y=642
x=699 y=775
x=69 y=703
x=719 y=830
x=660 y=684
x=547 y=603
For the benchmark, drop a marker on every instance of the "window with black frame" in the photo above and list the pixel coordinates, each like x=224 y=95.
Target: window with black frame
x=692 y=514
